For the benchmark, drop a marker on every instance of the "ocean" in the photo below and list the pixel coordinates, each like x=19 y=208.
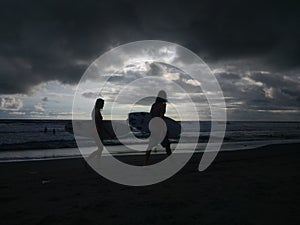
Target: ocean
x=47 y=139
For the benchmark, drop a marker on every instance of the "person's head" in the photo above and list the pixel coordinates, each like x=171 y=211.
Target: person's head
x=161 y=96
x=99 y=103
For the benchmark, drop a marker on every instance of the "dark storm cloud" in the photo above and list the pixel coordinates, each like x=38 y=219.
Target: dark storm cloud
x=230 y=76
x=155 y=69
x=260 y=91
x=56 y=40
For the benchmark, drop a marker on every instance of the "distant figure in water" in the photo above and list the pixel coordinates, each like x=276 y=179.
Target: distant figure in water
x=45 y=129
x=158 y=109
x=54 y=131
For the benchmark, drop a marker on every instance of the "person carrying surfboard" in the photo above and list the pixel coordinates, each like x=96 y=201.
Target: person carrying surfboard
x=158 y=109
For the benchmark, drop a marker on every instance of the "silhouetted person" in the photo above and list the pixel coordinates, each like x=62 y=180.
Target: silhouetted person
x=45 y=129
x=54 y=131
x=158 y=109
x=97 y=122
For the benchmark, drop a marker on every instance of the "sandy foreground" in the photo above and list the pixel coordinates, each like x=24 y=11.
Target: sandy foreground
x=259 y=186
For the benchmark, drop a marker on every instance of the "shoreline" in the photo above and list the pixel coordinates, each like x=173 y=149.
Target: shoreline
x=74 y=153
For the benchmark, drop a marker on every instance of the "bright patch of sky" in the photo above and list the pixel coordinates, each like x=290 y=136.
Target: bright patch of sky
x=52 y=100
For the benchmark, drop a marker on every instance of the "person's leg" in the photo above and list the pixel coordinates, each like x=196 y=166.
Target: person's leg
x=153 y=141
x=97 y=153
x=167 y=145
x=93 y=155
x=168 y=149
x=148 y=152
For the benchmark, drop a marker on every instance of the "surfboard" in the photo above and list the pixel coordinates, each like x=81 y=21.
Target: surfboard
x=140 y=121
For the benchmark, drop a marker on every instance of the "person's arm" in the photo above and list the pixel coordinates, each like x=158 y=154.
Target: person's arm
x=163 y=111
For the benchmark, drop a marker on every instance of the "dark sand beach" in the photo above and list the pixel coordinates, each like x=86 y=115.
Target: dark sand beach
x=259 y=186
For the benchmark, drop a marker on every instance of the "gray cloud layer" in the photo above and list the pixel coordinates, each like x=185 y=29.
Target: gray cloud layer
x=56 y=40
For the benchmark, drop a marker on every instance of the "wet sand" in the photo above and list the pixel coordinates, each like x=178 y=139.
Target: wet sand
x=259 y=186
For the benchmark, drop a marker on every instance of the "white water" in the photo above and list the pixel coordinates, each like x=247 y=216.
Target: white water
x=67 y=153
x=239 y=136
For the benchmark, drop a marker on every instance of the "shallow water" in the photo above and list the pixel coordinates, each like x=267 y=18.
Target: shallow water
x=19 y=137
x=63 y=153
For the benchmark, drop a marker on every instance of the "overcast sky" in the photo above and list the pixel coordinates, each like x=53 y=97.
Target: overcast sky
x=252 y=47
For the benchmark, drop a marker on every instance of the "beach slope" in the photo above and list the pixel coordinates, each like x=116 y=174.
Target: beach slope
x=260 y=186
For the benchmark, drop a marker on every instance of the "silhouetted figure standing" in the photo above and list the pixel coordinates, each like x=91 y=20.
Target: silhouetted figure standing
x=97 y=122
x=45 y=129
x=158 y=109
